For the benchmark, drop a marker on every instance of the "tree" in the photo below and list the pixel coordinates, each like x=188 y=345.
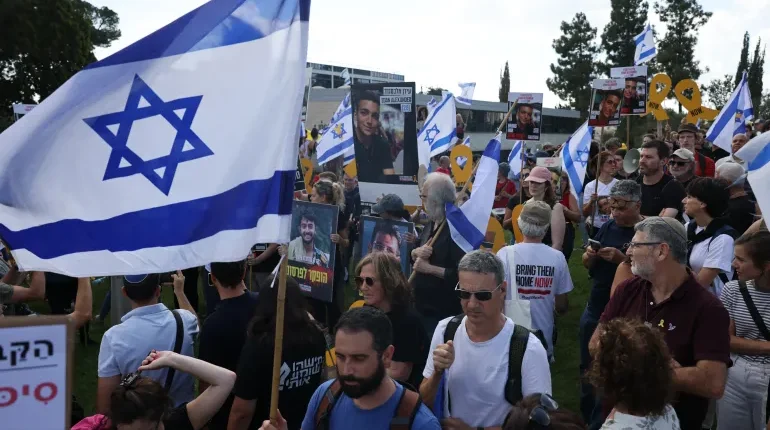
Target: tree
x=719 y=91
x=44 y=42
x=756 y=70
x=743 y=63
x=576 y=66
x=627 y=20
x=763 y=109
x=676 y=52
x=435 y=91
x=505 y=84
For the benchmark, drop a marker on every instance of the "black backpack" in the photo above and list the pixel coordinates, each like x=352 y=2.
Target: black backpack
x=724 y=229
x=516 y=349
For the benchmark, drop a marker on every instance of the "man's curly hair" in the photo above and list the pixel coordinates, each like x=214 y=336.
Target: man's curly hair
x=632 y=367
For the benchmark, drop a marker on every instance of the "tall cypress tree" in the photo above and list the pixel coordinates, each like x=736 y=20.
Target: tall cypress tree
x=505 y=84
x=576 y=66
x=756 y=70
x=743 y=64
x=627 y=19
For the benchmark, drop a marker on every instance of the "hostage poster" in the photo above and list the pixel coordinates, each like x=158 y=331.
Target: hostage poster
x=634 y=89
x=311 y=251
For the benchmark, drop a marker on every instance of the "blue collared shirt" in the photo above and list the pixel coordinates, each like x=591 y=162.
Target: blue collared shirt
x=125 y=345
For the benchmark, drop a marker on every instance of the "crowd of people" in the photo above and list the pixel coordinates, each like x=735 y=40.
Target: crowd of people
x=672 y=335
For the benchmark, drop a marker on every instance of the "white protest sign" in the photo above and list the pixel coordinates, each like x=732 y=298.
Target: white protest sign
x=549 y=161
x=35 y=373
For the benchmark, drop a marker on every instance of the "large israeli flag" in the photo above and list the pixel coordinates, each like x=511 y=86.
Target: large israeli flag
x=733 y=116
x=157 y=158
x=645 y=46
x=468 y=223
x=756 y=154
x=466 y=93
x=574 y=157
x=515 y=156
x=439 y=130
x=338 y=137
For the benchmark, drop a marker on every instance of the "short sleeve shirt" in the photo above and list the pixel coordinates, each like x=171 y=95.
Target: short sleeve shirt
x=372 y=160
x=745 y=326
x=667 y=193
x=714 y=253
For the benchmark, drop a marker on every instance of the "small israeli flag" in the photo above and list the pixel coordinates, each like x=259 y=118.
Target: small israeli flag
x=515 y=156
x=438 y=131
x=145 y=161
x=462 y=160
x=468 y=223
x=466 y=93
x=574 y=157
x=733 y=116
x=339 y=136
x=756 y=154
x=645 y=46
x=345 y=74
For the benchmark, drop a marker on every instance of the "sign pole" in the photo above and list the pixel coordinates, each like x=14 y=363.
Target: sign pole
x=278 y=347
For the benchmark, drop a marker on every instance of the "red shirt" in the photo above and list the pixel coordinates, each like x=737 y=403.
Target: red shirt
x=509 y=188
x=443 y=170
x=694 y=324
x=708 y=164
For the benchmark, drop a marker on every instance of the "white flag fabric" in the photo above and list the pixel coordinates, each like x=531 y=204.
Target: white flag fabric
x=462 y=160
x=645 y=46
x=468 y=223
x=466 y=93
x=345 y=74
x=350 y=155
x=574 y=157
x=147 y=162
x=438 y=131
x=732 y=118
x=756 y=154
x=338 y=137
x=515 y=156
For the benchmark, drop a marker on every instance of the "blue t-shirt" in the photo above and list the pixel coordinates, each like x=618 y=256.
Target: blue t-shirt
x=603 y=272
x=346 y=415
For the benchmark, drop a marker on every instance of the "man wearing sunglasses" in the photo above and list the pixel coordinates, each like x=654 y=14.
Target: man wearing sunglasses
x=682 y=166
x=476 y=361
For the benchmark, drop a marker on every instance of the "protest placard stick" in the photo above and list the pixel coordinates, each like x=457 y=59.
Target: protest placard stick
x=628 y=132
x=465 y=187
x=278 y=347
x=596 y=187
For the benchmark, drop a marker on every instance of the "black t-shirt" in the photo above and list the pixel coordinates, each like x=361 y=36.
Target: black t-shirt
x=667 y=193
x=740 y=213
x=269 y=263
x=603 y=272
x=178 y=419
x=514 y=201
x=300 y=375
x=222 y=338
x=373 y=160
x=410 y=342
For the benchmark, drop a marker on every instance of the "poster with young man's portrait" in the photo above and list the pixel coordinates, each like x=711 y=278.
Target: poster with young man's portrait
x=525 y=120
x=385 y=140
x=634 y=89
x=311 y=250
x=378 y=234
x=606 y=102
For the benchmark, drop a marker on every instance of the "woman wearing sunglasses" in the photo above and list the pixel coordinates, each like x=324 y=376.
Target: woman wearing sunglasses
x=383 y=285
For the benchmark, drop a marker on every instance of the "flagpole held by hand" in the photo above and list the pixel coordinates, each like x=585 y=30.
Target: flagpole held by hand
x=596 y=187
x=278 y=347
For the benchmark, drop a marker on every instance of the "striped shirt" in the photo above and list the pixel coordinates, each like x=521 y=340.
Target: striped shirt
x=732 y=299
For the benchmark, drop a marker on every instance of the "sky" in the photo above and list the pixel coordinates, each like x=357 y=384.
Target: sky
x=442 y=42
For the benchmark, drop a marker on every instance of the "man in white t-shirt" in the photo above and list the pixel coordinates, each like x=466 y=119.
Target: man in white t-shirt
x=592 y=195
x=537 y=273
x=475 y=363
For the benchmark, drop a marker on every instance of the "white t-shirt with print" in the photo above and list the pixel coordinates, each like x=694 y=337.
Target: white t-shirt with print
x=716 y=255
x=540 y=274
x=479 y=372
x=604 y=190
x=667 y=421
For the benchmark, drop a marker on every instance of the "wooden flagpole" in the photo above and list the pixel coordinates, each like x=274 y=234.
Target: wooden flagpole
x=596 y=187
x=278 y=347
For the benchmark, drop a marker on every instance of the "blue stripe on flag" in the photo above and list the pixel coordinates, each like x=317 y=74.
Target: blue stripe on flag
x=215 y=24
x=515 y=150
x=647 y=53
x=445 y=141
x=433 y=114
x=336 y=149
x=463 y=226
x=725 y=119
x=760 y=160
x=569 y=165
x=464 y=100
x=172 y=225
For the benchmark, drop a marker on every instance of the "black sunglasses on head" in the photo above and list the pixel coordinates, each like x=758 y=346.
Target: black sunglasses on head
x=539 y=417
x=481 y=296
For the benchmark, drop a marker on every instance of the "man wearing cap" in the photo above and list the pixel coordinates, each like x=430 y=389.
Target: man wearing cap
x=665 y=295
x=682 y=166
x=391 y=207
x=688 y=135
x=148 y=326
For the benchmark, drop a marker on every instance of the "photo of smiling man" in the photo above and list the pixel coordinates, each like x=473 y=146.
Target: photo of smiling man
x=634 y=89
x=606 y=102
x=373 y=154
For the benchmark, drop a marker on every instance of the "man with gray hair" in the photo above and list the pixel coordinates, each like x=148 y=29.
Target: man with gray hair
x=435 y=265
x=475 y=352
x=664 y=294
x=740 y=207
x=537 y=275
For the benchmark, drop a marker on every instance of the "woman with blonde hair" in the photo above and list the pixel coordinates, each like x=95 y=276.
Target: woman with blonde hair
x=380 y=280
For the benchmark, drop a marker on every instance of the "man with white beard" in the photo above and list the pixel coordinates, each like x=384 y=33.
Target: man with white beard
x=682 y=166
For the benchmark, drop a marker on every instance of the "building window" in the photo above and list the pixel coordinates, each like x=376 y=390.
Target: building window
x=338 y=69
x=362 y=72
x=320 y=80
x=360 y=81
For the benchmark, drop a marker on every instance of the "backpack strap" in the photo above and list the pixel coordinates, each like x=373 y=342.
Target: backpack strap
x=451 y=327
x=728 y=230
x=324 y=411
x=518 y=346
x=753 y=310
x=407 y=409
x=177 y=347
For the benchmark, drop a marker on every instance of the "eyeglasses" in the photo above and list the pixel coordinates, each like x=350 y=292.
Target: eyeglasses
x=619 y=204
x=678 y=163
x=360 y=281
x=631 y=245
x=481 y=296
x=540 y=414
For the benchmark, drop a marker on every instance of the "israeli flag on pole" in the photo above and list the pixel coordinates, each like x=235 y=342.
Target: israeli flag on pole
x=438 y=131
x=515 y=156
x=468 y=223
x=732 y=118
x=574 y=157
x=645 y=46
x=345 y=74
x=432 y=103
x=462 y=160
x=756 y=154
x=146 y=162
x=466 y=95
x=338 y=137
x=350 y=155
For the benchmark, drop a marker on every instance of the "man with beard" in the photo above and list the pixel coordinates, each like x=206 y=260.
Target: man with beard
x=608 y=107
x=682 y=166
x=386 y=239
x=661 y=194
x=524 y=125
x=664 y=294
x=373 y=156
x=302 y=248
x=435 y=265
x=363 y=396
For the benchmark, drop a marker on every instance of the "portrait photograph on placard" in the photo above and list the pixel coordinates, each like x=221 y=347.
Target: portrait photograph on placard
x=311 y=250
x=378 y=234
x=606 y=102
x=525 y=121
x=634 y=89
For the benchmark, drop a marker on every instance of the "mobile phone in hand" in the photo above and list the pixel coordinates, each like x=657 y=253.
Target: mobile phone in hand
x=594 y=244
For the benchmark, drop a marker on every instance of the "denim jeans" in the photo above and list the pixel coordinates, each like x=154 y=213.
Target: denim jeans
x=745 y=399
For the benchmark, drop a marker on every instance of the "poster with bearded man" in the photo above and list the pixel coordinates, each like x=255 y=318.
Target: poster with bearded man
x=311 y=250
x=526 y=120
x=634 y=89
x=389 y=236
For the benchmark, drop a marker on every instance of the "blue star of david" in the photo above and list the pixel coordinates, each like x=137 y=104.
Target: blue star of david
x=338 y=131
x=582 y=156
x=428 y=137
x=125 y=120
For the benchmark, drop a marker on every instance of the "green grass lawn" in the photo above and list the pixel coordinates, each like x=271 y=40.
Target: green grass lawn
x=564 y=372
